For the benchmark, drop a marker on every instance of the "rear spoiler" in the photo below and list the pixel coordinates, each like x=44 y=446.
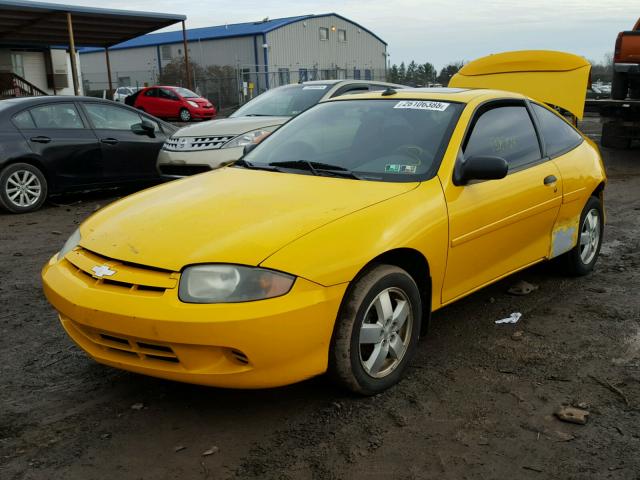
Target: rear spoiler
x=556 y=78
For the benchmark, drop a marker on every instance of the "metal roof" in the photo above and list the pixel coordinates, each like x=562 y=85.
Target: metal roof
x=221 y=31
x=36 y=23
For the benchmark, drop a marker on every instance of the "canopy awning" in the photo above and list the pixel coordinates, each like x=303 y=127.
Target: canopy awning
x=557 y=78
x=45 y=24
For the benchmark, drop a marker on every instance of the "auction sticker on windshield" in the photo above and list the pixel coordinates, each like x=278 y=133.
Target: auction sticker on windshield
x=315 y=87
x=422 y=105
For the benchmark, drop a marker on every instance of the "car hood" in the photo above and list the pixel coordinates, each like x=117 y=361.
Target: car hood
x=230 y=126
x=231 y=215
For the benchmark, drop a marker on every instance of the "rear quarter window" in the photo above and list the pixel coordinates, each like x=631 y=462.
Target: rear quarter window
x=559 y=137
x=23 y=120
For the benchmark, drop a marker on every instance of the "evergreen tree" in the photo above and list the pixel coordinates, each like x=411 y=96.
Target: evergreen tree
x=411 y=75
x=402 y=74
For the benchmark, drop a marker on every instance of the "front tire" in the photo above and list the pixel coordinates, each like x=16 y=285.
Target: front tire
x=185 y=115
x=23 y=188
x=582 y=258
x=377 y=330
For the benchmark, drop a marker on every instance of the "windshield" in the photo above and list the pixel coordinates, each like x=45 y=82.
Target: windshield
x=391 y=140
x=184 y=93
x=283 y=101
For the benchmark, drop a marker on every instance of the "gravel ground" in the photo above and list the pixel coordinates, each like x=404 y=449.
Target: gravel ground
x=478 y=403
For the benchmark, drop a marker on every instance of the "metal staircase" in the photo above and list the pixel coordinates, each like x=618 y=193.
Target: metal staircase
x=12 y=85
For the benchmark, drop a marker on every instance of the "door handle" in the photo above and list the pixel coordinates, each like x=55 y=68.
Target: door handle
x=109 y=141
x=550 y=180
x=40 y=139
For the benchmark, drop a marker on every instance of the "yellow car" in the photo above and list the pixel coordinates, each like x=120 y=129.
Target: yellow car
x=327 y=247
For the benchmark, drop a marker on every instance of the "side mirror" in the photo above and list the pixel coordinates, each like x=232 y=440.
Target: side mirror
x=480 y=168
x=144 y=128
x=249 y=147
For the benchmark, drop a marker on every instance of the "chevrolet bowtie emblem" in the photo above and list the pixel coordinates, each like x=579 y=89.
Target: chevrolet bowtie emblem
x=102 y=271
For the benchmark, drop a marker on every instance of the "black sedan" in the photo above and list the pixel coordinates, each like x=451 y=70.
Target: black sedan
x=52 y=145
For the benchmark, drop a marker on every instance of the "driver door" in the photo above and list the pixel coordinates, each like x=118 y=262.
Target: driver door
x=497 y=227
x=126 y=155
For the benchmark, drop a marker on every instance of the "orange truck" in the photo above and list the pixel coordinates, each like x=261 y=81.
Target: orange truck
x=626 y=65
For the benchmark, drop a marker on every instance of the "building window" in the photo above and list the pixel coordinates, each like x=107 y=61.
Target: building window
x=324 y=33
x=303 y=75
x=165 y=52
x=342 y=35
x=356 y=74
x=283 y=75
x=367 y=74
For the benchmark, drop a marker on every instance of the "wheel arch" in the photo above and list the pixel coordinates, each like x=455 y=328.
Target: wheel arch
x=416 y=265
x=35 y=162
x=599 y=191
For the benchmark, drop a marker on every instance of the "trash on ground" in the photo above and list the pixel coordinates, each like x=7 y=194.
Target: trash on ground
x=179 y=448
x=513 y=318
x=572 y=415
x=211 y=451
x=137 y=406
x=522 y=288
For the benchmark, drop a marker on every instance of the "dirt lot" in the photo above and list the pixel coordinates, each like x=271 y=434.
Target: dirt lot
x=478 y=402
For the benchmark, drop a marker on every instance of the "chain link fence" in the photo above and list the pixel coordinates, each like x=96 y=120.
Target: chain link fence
x=227 y=87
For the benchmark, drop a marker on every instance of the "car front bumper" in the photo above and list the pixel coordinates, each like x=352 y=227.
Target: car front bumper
x=258 y=344
x=207 y=113
x=180 y=164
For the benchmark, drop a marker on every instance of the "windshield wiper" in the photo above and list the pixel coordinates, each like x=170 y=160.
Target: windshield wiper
x=255 y=166
x=318 y=168
x=258 y=115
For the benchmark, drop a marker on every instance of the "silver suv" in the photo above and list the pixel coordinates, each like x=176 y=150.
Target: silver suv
x=208 y=145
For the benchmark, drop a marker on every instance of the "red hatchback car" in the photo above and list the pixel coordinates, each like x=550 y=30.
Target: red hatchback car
x=174 y=102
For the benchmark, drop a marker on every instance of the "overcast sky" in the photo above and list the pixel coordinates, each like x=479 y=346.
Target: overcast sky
x=436 y=31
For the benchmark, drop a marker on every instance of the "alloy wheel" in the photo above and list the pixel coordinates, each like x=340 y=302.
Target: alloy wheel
x=589 y=236
x=23 y=188
x=386 y=332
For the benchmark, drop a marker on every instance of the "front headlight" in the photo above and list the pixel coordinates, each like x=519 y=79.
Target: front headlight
x=220 y=283
x=71 y=243
x=255 y=136
x=192 y=103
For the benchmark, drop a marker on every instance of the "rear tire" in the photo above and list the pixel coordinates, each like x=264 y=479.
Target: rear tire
x=185 y=115
x=377 y=330
x=582 y=258
x=619 y=86
x=23 y=188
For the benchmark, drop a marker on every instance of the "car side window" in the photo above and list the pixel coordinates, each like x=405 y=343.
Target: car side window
x=107 y=117
x=152 y=92
x=57 y=115
x=374 y=87
x=356 y=88
x=167 y=94
x=558 y=135
x=23 y=120
x=507 y=132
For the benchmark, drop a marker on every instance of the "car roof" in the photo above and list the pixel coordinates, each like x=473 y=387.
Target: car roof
x=336 y=82
x=462 y=95
x=22 y=102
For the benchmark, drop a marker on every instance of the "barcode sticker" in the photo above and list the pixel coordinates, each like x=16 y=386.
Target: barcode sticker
x=422 y=105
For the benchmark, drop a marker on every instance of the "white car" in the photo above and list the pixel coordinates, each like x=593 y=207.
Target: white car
x=123 y=92
x=208 y=145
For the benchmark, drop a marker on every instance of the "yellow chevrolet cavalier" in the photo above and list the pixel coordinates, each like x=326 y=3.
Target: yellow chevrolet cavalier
x=327 y=247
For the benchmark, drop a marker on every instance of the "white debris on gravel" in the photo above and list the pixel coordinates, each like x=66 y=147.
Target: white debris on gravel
x=513 y=318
